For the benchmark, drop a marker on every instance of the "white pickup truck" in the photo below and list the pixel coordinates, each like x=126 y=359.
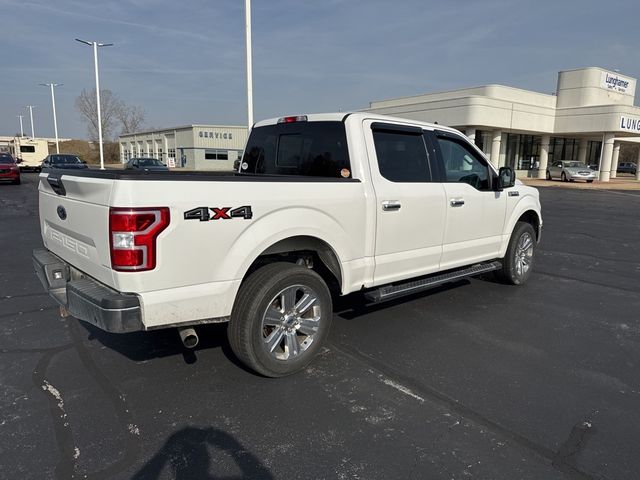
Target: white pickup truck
x=321 y=205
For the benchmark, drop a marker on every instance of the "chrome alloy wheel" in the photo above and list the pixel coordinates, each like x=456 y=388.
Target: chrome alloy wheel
x=524 y=254
x=291 y=321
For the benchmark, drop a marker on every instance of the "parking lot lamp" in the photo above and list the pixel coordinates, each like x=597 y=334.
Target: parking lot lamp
x=31 y=107
x=247 y=12
x=95 y=46
x=53 y=104
x=21 y=129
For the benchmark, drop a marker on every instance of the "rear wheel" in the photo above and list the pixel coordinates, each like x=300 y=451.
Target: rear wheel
x=548 y=175
x=589 y=181
x=518 y=261
x=563 y=177
x=280 y=319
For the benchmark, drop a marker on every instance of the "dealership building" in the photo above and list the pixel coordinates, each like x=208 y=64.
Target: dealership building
x=588 y=118
x=196 y=147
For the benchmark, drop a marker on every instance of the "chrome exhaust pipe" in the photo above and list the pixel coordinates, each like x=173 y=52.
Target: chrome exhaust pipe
x=188 y=336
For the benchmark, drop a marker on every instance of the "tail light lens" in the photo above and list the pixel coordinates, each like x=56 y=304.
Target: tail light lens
x=298 y=118
x=133 y=233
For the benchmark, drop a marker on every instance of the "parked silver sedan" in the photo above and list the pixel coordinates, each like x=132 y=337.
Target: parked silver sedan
x=570 y=170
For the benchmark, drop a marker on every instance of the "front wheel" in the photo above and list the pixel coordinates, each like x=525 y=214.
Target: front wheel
x=563 y=177
x=589 y=181
x=280 y=319
x=518 y=261
x=548 y=175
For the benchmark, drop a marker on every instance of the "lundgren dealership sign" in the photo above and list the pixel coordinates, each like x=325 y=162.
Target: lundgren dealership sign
x=615 y=82
x=630 y=124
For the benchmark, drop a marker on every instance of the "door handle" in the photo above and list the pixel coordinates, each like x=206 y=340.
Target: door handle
x=456 y=202
x=391 y=205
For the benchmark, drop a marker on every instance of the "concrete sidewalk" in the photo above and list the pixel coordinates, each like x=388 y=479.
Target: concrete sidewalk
x=620 y=183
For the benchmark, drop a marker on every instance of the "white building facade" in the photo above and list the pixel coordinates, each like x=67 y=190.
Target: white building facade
x=591 y=114
x=194 y=147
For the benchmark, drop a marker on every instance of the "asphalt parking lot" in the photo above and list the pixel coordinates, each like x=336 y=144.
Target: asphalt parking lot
x=473 y=380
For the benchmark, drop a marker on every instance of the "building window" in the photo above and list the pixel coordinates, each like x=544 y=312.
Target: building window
x=160 y=153
x=172 y=153
x=483 y=141
x=216 y=155
x=593 y=154
x=563 y=149
x=523 y=151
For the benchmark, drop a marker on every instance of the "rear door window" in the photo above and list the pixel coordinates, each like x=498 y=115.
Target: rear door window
x=315 y=149
x=402 y=156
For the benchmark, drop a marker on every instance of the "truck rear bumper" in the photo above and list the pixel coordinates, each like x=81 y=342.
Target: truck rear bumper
x=85 y=298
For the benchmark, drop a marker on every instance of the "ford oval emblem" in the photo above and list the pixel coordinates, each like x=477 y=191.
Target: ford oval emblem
x=62 y=213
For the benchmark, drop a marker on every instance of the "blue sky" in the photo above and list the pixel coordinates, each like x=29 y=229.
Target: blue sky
x=183 y=61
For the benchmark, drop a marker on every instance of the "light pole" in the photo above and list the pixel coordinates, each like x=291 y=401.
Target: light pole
x=31 y=107
x=247 y=12
x=53 y=104
x=21 y=129
x=95 y=46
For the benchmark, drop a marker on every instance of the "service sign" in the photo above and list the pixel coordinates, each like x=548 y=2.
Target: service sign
x=216 y=135
x=615 y=82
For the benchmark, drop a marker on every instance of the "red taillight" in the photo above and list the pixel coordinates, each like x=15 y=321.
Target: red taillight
x=132 y=236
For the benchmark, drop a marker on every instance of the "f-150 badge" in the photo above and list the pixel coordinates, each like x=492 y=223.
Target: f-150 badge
x=204 y=214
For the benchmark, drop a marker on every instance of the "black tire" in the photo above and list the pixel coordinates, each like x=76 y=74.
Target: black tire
x=563 y=177
x=548 y=175
x=589 y=181
x=259 y=294
x=16 y=181
x=512 y=271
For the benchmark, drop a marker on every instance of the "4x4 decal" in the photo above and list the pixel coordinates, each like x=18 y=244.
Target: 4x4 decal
x=204 y=214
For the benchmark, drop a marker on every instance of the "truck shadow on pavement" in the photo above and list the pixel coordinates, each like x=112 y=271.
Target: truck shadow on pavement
x=142 y=346
x=196 y=453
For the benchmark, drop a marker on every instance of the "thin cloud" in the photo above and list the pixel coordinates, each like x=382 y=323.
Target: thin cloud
x=160 y=30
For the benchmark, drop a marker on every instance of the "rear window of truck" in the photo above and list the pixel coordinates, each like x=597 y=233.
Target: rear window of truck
x=312 y=149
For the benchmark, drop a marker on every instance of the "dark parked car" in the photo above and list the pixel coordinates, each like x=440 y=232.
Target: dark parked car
x=627 y=167
x=8 y=169
x=146 y=164
x=61 y=160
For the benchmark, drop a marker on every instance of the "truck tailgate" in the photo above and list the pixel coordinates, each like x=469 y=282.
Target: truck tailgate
x=74 y=221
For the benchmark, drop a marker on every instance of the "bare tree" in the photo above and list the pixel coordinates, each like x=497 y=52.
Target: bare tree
x=110 y=108
x=132 y=118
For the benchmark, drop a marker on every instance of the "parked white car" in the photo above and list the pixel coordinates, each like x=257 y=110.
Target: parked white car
x=570 y=170
x=322 y=205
